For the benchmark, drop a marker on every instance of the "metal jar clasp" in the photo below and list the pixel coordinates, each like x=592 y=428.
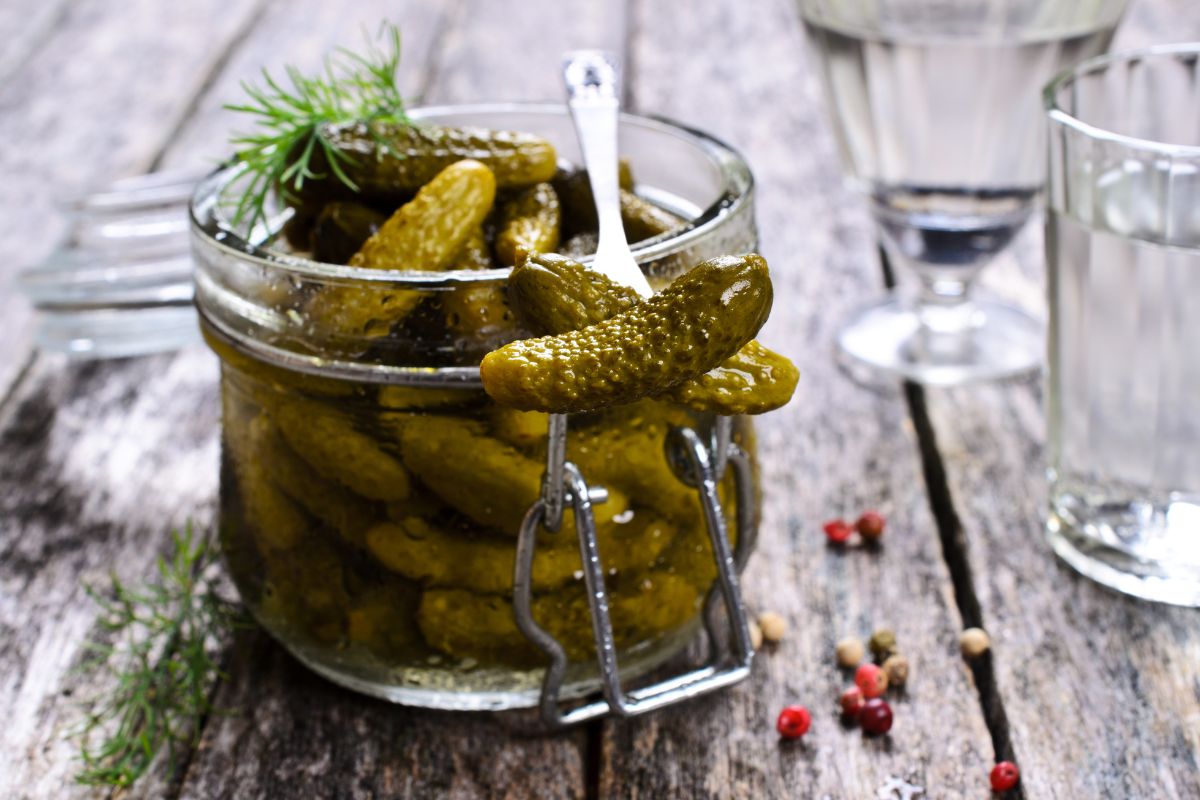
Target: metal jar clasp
x=699 y=465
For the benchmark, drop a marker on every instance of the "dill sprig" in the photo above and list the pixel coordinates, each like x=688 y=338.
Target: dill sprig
x=162 y=659
x=351 y=87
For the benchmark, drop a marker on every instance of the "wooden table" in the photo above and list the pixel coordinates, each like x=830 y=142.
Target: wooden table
x=1093 y=694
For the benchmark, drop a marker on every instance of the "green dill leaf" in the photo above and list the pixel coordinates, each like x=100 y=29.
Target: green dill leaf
x=161 y=663
x=294 y=114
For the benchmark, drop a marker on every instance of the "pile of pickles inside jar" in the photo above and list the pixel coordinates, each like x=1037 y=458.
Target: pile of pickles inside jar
x=379 y=522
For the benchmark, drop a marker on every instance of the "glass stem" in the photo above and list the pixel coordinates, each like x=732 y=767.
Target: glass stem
x=943 y=302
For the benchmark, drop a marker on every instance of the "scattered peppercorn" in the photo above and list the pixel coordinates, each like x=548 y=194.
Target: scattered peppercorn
x=773 y=626
x=838 y=531
x=871 y=679
x=974 y=642
x=1005 y=776
x=896 y=669
x=882 y=644
x=793 y=722
x=852 y=702
x=875 y=717
x=849 y=652
x=756 y=634
x=870 y=525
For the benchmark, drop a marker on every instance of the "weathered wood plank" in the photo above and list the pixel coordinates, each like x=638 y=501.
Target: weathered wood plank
x=837 y=449
x=80 y=497
x=1099 y=691
x=291 y=732
x=24 y=26
x=92 y=103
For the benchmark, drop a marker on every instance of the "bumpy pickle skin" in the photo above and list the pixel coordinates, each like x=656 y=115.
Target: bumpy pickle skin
x=553 y=294
x=425 y=233
x=643 y=607
x=330 y=443
x=435 y=556
x=529 y=223
x=753 y=380
x=387 y=162
x=481 y=477
x=693 y=325
x=341 y=229
x=305 y=589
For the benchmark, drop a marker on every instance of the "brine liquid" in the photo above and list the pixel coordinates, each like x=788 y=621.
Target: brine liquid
x=1124 y=391
x=945 y=133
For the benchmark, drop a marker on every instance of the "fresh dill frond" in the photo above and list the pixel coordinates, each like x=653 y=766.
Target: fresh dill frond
x=351 y=87
x=160 y=653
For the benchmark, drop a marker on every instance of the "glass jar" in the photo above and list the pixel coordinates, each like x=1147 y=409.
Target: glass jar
x=371 y=493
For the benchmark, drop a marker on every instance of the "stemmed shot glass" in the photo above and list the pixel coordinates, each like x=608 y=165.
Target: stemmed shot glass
x=936 y=107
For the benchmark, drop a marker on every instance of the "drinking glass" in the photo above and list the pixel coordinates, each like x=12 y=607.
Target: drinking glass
x=1123 y=252
x=935 y=106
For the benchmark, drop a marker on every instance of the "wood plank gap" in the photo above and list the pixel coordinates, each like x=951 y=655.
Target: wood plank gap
x=210 y=80
x=593 y=759
x=954 y=553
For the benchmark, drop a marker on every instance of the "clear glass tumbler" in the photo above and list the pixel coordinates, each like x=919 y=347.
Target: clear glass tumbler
x=935 y=106
x=1123 y=251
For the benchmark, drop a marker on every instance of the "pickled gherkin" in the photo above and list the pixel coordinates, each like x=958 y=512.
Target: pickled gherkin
x=382 y=618
x=387 y=162
x=329 y=502
x=341 y=229
x=426 y=233
x=330 y=443
x=477 y=312
x=481 y=477
x=437 y=556
x=481 y=626
x=574 y=190
x=697 y=322
x=553 y=294
x=644 y=220
x=529 y=223
x=521 y=429
x=630 y=456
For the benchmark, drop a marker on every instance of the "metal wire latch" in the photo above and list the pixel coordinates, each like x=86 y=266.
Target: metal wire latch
x=698 y=464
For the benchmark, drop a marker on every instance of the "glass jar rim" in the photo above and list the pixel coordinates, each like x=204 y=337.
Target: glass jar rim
x=207 y=220
x=1057 y=114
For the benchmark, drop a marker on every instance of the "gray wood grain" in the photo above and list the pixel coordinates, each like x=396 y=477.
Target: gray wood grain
x=24 y=26
x=91 y=104
x=81 y=497
x=835 y=450
x=1100 y=691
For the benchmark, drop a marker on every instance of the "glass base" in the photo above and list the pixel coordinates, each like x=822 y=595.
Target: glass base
x=1001 y=342
x=447 y=688
x=1095 y=554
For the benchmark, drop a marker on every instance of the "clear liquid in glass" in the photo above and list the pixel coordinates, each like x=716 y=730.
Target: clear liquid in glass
x=1124 y=394
x=944 y=132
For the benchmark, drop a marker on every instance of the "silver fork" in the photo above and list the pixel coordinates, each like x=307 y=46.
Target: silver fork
x=592 y=78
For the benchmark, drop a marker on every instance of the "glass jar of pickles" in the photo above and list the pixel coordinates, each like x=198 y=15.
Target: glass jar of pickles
x=372 y=493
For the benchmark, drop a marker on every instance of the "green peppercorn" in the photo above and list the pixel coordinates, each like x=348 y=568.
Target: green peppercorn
x=882 y=644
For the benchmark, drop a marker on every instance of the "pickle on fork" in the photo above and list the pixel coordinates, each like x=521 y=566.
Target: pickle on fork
x=702 y=318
